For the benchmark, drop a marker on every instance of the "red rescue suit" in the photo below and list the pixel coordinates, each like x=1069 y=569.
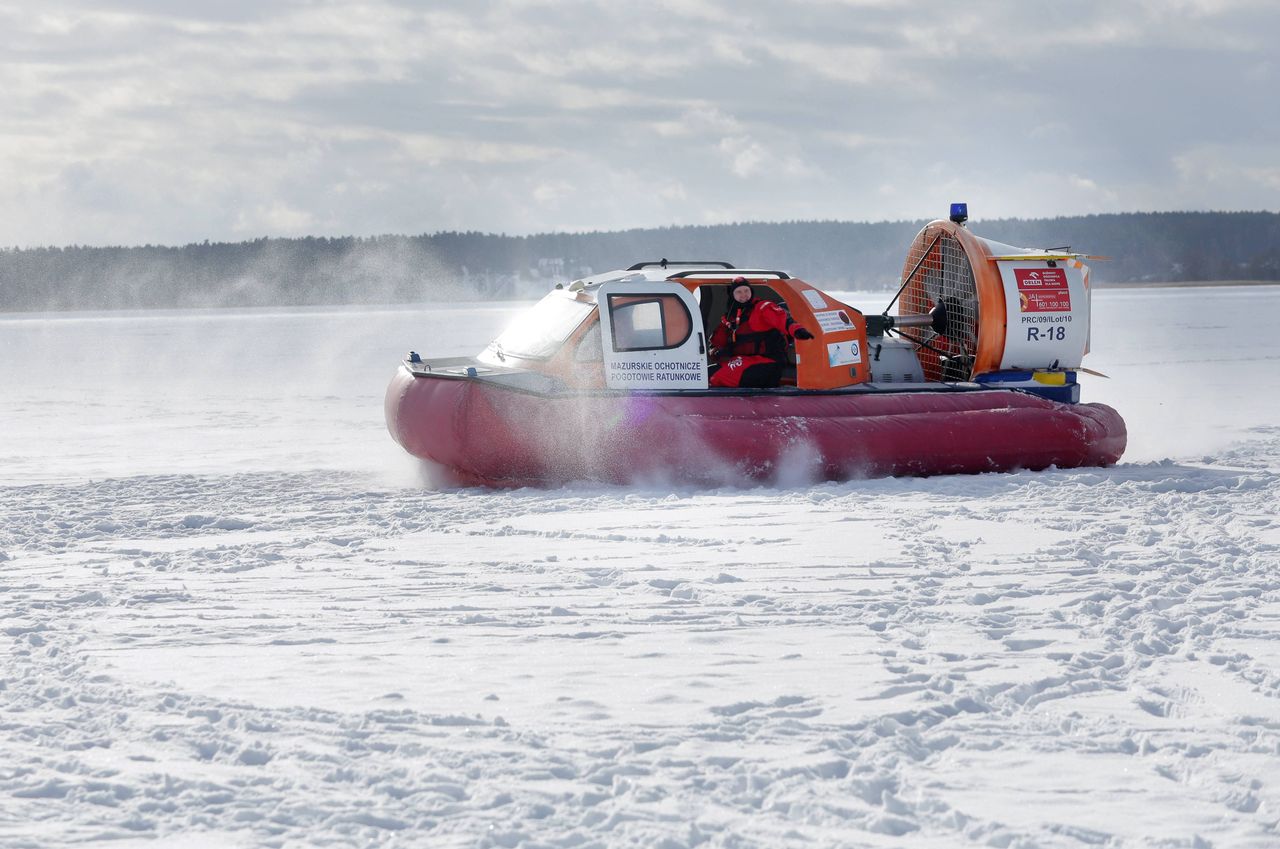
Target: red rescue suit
x=751 y=344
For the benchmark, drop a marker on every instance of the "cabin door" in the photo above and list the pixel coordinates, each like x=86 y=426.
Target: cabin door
x=652 y=336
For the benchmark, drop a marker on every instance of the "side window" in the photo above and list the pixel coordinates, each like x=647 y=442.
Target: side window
x=648 y=322
x=589 y=348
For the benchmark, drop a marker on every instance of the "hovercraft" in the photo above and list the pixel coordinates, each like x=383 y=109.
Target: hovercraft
x=606 y=378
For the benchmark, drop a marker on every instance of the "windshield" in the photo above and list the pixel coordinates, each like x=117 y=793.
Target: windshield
x=539 y=333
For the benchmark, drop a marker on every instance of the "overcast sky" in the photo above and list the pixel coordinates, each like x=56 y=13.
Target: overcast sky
x=151 y=121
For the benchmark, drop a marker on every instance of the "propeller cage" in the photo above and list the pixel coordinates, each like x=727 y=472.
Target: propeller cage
x=948 y=266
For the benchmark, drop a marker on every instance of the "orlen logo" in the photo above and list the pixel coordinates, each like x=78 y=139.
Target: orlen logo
x=1040 y=278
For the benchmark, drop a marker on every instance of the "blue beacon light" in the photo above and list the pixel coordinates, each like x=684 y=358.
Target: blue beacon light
x=960 y=212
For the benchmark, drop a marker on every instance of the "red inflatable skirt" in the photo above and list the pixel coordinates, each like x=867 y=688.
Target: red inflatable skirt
x=481 y=432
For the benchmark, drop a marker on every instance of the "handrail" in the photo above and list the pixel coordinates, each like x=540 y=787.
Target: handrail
x=664 y=262
x=741 y=272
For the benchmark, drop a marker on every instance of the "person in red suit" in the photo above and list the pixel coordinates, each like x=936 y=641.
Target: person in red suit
x=751 y=341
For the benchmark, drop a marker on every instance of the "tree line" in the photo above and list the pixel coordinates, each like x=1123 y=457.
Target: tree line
x=1171 y=247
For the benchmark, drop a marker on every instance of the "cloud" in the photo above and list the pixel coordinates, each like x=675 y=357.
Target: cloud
x=698 y=121
x=277 y=218
x=748 y=158
x=145 y=121
x=1208 y=173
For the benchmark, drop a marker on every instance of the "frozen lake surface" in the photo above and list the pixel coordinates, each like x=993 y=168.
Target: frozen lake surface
x=234 y=616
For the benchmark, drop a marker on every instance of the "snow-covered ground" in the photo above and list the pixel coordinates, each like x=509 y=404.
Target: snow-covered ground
x=232 y=616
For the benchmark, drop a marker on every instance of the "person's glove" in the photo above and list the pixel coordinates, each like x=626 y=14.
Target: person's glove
x=801 y=333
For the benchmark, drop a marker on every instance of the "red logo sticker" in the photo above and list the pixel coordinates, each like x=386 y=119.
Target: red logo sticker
x=1043 y=289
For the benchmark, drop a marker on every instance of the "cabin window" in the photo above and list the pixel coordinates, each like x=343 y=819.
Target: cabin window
x=539 y=333
x=589 y=348
x=648 y=322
